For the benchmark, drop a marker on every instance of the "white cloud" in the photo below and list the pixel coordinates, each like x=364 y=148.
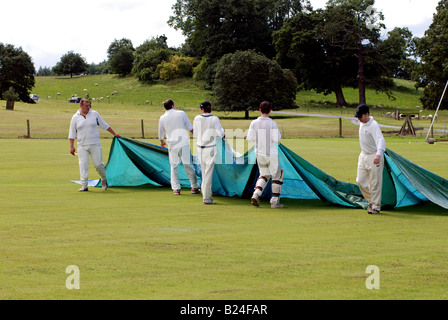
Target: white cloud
x=408 y=13
x=47 y=29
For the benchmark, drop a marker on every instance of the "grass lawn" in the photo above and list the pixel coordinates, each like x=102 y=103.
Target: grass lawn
x=135 y=102
x=145 y=243
x=51 y=119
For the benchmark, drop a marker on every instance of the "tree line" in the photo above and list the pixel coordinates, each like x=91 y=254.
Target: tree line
x=252 y=50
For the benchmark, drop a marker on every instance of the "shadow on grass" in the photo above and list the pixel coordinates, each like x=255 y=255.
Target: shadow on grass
x=425 y=209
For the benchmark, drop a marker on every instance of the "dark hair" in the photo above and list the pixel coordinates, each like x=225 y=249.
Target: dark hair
x=207 y=106
x=265 y=107
x=168 y=104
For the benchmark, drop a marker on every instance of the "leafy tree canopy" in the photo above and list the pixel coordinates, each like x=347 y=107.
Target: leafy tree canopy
x=432 y=50
x=146 y=64
x=216 y=27
x=100 y=68
x=121 y=56
x=44 y=72
x=149 y=56
x=245 y=78
x=397 y=51
x=317 y=65
x=16 y=71
x=354 y=27
x=341 y=45
x=71 y=63
x=117 y=45
x=154 y=43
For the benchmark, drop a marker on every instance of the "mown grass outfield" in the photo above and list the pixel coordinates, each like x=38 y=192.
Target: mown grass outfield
x=145 y=243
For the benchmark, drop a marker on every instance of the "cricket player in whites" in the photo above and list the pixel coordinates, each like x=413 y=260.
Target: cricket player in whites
x=371 y=159
x=264 y=131
x=84 y=128
x=206 y=127
x=175 y=124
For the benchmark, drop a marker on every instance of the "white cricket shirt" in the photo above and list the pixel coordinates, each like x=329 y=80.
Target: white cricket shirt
x=174 y=123
x=371 y=138
x=205 y=129
x=264 y=131
x=85 y=129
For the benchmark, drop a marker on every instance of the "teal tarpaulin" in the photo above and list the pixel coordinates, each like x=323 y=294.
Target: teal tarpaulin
x=135 y=163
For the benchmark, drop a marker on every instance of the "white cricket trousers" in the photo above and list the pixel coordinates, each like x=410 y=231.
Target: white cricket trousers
x=176 y=155
x=269 y=167
x=370 y=179
x=207 y=158
x=96 y=153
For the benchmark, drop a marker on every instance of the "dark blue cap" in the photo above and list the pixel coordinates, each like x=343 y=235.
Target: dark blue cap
x=360 y=110
x=205 y=104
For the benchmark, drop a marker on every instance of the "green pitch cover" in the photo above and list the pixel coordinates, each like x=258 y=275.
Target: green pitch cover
x=136 y=163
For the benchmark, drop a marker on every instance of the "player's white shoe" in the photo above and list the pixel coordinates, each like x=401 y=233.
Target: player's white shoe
x=255 y=200
x=277 y=205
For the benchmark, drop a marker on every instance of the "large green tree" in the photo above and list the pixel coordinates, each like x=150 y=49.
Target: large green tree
x=339 y=46
x=214 y=28
x=16 y=71
x=71 y=63
x=121 y=56
x=317 y=65
x=432 y=49
x=398 y=51
x=245 y=78
x=354 y=27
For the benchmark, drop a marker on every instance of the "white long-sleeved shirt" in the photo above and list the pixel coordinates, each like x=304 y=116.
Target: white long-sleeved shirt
x=264 y=131
x=85 y=129
x=174 y=123
x=205 y=129
x=371 y=138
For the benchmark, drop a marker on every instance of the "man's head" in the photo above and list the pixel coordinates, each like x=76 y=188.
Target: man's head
x=84 y=101
x=84 y=104
x=168 y=104
x=265 y=107
x=362 y=112
x=206 y=107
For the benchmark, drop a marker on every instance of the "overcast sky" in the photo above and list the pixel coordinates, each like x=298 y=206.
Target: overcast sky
x=47 y=29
